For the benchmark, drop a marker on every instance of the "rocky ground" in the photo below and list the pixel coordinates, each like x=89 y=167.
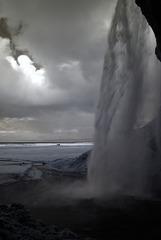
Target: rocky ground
x=124 y=217
x=17 y=223
x=61 y=201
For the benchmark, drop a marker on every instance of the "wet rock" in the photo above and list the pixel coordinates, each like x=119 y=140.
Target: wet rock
x=151 y=10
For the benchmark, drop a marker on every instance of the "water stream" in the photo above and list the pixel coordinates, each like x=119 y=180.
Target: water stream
x=123 y=160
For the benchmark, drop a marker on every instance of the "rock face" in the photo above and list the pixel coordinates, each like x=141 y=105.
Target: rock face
x=151 y=10
x=81 y=161
x=71 y=165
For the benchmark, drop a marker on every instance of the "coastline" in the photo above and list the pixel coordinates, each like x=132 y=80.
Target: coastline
x=47 y=141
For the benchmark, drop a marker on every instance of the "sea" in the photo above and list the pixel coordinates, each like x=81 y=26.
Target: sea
x=20 y=160
x=42 y=151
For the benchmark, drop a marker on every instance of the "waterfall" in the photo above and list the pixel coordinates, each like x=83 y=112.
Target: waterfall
x=123 y=160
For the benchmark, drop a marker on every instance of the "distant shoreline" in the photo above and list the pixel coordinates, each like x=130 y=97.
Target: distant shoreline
x=48 y=141
x=54 y=142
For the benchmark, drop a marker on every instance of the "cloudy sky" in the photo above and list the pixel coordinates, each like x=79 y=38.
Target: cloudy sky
x=51 y=60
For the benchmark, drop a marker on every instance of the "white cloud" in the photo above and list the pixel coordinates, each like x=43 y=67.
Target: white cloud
x=68 y=65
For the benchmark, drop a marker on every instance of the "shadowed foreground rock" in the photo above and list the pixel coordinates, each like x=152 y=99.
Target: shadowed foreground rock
x=16 y=223
x=151 y=10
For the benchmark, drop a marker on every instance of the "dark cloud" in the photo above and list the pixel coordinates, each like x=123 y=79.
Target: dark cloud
x=10 y=34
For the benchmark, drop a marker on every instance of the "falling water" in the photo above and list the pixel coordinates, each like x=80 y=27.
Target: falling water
x=125 y=158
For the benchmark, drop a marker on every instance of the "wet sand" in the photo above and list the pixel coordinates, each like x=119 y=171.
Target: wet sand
x=116 y=218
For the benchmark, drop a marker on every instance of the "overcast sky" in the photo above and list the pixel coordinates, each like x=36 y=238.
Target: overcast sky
x=51 y=94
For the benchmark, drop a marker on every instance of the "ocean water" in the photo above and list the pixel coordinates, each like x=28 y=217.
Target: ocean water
x=42 y=152
x=20 y=160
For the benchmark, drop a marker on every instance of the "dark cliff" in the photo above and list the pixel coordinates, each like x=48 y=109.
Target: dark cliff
x=151 y=10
